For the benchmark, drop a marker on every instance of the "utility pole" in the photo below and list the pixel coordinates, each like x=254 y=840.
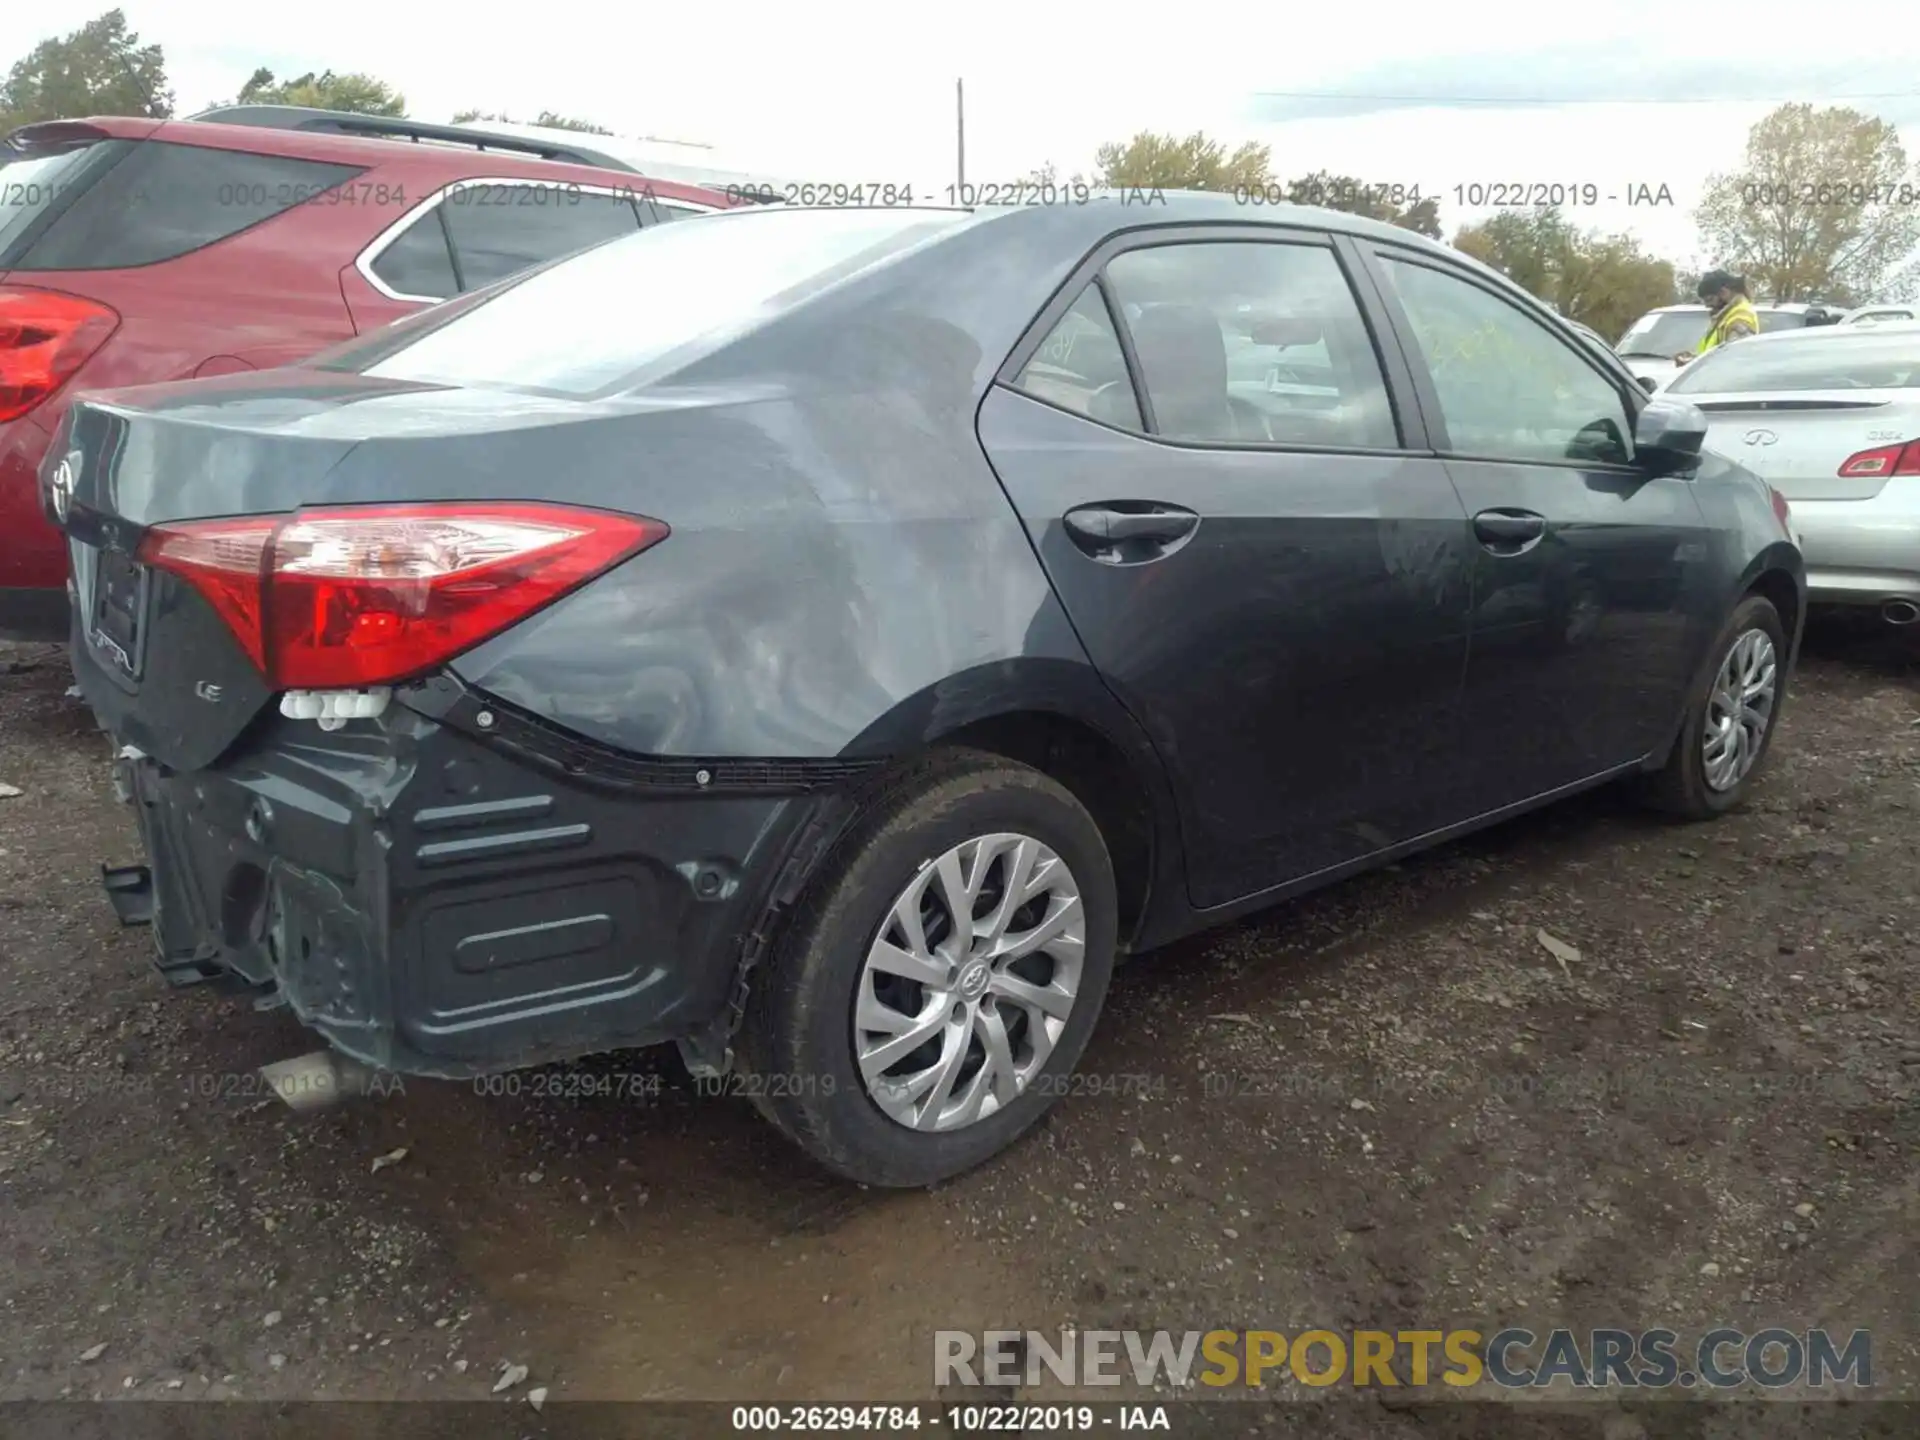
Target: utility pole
x=960 y=134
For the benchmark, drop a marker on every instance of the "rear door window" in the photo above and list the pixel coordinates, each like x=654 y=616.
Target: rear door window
x=498 y=229
x=1252 y=343
x=166 y=200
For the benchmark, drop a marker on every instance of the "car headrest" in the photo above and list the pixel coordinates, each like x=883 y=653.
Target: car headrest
x=1183 y=359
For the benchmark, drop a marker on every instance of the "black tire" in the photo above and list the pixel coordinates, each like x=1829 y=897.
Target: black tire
x=1680 y=787
x=797 y=1040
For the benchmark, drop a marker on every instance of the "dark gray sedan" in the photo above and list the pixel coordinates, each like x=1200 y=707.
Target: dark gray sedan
x=827 y=639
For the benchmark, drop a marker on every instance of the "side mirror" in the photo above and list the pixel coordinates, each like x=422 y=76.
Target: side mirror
x=1668 y=435
x=1649 y=384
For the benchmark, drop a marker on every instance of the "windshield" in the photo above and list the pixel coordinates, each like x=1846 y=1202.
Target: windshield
x=592 y=323
x=1665 y=333
x=1825 y=360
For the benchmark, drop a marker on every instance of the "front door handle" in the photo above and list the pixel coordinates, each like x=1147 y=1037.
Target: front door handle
x=1509 y=531
x=1107 y=526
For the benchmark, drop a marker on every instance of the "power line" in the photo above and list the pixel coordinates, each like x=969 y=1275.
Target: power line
x=1593 y=100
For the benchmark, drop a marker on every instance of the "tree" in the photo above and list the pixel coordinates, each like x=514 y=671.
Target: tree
x=1824 y=207
x=1168 y=162
x=1377 y=202
x=1048 y=175
x=1604 y=281
x=547 y=119
x=359 y=94
x=99 y=69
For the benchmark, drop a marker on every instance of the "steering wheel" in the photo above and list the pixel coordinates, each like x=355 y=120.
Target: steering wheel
x=1105 y=404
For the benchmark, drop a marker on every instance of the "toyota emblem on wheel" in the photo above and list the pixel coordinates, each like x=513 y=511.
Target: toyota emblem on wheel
x=1760 y=437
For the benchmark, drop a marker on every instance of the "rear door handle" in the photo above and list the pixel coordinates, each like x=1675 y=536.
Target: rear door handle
x=1509 y=531
x=1104 y=526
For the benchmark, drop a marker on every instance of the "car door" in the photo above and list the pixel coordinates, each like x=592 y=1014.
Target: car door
x=1584 y=564
x=1275 y=586
x=475 y=232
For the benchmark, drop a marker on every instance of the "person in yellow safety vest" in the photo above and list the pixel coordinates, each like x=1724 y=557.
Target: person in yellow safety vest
x=1731 y=313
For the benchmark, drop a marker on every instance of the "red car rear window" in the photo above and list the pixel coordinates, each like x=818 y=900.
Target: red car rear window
x=159 y=201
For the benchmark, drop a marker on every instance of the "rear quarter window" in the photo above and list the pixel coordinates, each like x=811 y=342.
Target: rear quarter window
x=165 y=200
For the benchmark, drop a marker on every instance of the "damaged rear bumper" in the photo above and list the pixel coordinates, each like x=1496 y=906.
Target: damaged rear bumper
x=435 y=903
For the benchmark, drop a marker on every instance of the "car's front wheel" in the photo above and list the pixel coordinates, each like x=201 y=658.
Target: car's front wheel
x=941 y=977
x=1730 y=717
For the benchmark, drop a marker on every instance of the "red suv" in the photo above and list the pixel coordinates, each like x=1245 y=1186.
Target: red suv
x=134 y=251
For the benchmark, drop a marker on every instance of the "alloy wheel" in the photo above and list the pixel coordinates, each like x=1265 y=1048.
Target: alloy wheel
x=969 y=983
x=1739 y=709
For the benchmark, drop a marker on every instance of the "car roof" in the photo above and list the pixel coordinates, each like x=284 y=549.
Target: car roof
x=364 y=150
x=1137 y=207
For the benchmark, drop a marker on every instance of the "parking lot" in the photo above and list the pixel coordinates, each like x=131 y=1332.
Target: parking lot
x=1391 y=1104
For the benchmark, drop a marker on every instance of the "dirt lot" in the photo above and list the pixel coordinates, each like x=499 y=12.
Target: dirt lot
x=1389 y=1105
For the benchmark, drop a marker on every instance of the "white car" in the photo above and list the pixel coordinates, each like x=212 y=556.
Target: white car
x=1656 y=337
x=1831 y=419
x=1874 y=314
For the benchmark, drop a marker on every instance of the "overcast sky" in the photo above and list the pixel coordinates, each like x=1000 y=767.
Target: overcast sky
x=1619 y=95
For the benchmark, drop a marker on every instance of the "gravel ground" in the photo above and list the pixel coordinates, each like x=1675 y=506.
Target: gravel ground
x=1586 y=1069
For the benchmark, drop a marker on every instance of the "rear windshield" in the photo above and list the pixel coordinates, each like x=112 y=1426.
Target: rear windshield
x=1846 y=358
x=593 y=323
x=31 y=184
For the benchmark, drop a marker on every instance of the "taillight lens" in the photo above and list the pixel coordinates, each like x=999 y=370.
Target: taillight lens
x=368 y=595
x=1781 y=509
x=44 y=338
x=1883 y=460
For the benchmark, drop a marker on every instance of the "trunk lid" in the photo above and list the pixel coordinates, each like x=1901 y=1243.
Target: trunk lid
x=161 y=668
x=1797 y=443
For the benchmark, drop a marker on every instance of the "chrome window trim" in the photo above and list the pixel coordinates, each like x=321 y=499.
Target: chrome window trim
x=377 y=246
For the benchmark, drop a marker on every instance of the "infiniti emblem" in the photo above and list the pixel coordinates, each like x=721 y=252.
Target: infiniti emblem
x=1760 y=437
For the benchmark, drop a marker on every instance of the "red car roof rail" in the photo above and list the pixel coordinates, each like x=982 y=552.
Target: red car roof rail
x=384 y=127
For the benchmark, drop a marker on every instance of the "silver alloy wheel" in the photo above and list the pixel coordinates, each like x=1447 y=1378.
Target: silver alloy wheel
x=1739 y=710
x=968 y=986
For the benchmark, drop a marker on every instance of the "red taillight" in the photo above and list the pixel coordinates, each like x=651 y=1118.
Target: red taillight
x=1781 y=509
x=44 y=338
x=1883 y=460
x=367 y=595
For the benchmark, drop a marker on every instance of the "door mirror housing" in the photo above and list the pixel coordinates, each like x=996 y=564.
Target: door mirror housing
x=1648 y=383
x=1668 y=435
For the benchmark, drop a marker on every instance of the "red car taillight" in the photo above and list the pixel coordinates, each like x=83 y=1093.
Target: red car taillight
x=367 y=595
x=44 y=338
x=1781 y=509
x=1885 y=460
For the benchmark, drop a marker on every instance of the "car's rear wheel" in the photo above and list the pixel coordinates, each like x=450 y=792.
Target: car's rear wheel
x=1730 y=718
x=940 y=978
